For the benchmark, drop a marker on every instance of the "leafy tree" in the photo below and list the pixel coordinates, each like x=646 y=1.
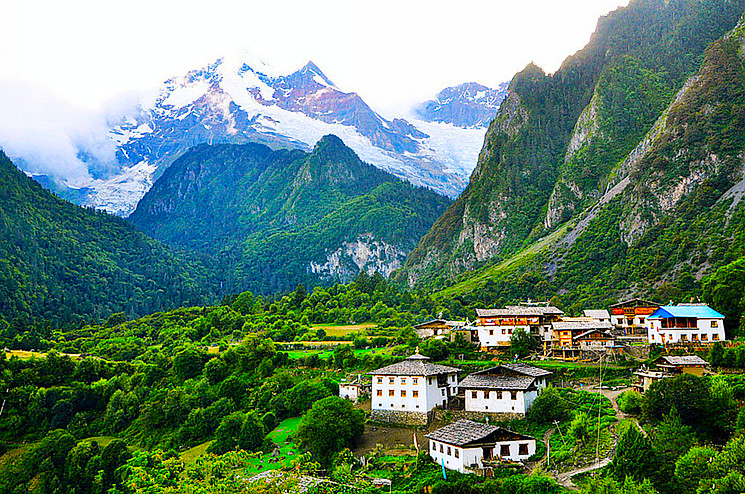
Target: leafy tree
x=330 y=414
x=630 y=401
x=188 y=363
x=579 y=428
x=608 y=485
x=634 y=456
x=521 y=343
x=693 y=467
x=548 y=407
x=434 y=349
x=215 y=370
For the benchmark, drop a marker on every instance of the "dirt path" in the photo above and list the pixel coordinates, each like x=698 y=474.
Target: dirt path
x=565 y=479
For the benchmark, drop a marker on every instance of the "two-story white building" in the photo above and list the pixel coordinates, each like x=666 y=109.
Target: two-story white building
x=471 y=447
x=685 y=323
x=408 y=391
x=506 y=388
x=496 y=326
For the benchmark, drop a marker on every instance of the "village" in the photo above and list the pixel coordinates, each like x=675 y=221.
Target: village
x=415 y=392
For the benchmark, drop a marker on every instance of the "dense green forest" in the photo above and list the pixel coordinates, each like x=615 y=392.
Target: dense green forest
x=187 y=400
x=65 y=265
x=273 y=219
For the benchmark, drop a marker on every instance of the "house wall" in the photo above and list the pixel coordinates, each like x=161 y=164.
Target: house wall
x=487 y=401
x=496 y=336
x=473 y=457
x=349 y=392
x=429 y=393
x=704 y=332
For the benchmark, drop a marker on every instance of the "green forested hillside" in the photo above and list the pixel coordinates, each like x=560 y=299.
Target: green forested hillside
x=273 y=219
x=643 y=194
x=64 y=264
x=561 y=141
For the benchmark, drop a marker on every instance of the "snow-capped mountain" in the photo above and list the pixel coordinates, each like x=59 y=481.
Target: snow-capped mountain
x=468 y=105
x=238 y=99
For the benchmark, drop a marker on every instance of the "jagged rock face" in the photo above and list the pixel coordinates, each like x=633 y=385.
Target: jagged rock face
x=467 y=105
x=363 y=254
x=561 y=144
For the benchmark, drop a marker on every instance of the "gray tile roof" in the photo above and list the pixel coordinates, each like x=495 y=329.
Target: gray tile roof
x=582 y=335
x=683 y=360
x=519 y=310
x=636 y=302
x=415 y=365
x=485 y=381
x=464 y=432
x=596 y=313
x=581 y=325
x=526 y=369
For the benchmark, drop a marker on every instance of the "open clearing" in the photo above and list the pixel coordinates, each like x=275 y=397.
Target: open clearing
x=338 y=331
x=288 y=451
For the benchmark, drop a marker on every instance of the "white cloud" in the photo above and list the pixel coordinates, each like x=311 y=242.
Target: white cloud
x=46 y=132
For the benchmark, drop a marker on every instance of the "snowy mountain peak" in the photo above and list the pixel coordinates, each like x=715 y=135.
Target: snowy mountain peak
x=239 y=98
x=467 y=105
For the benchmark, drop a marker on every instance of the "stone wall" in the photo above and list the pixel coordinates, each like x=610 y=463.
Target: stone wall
x=401 y=417
x=442 y=415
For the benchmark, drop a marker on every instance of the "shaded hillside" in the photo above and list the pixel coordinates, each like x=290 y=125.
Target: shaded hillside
x=66 y=264
x=560 y=141
x=273 y=219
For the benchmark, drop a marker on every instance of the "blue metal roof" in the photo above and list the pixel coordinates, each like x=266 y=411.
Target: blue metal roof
x=699 y=311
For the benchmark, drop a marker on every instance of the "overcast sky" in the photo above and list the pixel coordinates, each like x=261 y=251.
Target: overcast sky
x=392 y=52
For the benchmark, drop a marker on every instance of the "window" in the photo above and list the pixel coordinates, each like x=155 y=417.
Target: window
x=403 y=380
x=380 y=392
x=704 y=337
x=715 y=336
x=499 y=395
x=441 y=448
x=504 y=331
x=380 y=380
x=415 y=381
x=684 y=337
x=714 y=324
x=457 y=453
x=430 y=380
x=695 y=337
x=391 y=392
x=442 y=391
x=403 y=393
x=504 y=450
x=474 y=394
x=449 y=452
x=509 y=331
x=391 y=380
x=522 y=449
x=514 y=395
x=434 y=447
x=415 y=394
x=491 y=332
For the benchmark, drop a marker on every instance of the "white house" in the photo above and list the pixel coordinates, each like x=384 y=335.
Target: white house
x=685 y=323
x=407 y=391
x=507 y=388
x=438 y=328
x=495 y=326
x=351 y=391
x=594 y=339
x=468 y=446
x=630 y=315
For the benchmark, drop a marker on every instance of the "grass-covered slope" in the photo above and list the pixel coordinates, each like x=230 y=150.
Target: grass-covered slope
x=273 y=219
x=66 y=264
x=560 y=141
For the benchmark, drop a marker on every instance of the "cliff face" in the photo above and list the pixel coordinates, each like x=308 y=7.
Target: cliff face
x=562 y=143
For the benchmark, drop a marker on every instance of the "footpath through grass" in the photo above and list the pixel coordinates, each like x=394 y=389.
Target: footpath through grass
x=288 y=450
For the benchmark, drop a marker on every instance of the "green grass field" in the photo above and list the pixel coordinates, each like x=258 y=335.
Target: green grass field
x=287 y=449
x=298 y=354
x=192 y=454
x=481 y=277
x=341 y=330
